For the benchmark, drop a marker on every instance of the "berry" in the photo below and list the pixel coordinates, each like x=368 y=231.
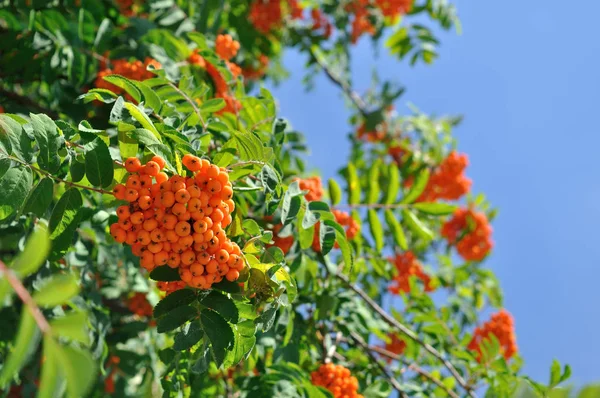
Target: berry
x=226 y=47
x=470 y=232
x=500 y=325
x=314 y=187
x=337 y=379
x=407 y=266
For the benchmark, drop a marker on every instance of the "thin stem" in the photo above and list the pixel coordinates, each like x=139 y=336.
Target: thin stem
x=25 y=298
x=191 y=102
x=381 y=366
x=353 y=95
x=415 y=368
x=408 y=333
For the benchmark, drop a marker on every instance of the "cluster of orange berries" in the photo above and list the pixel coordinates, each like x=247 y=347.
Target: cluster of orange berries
x=407 y=266
x=371 y=136
x=502 y=326
x=337 y=379
x=136 y=70
x=320 y=21
x=396 y=345
x=179 y=221
x=267 y=15
x=360 y=23
x=255 y=73
x=448 y=180
x=313 y=185
x=345 y=220
x=226 y=48
x=393 y=8
x=471 y=232
x=139 y=305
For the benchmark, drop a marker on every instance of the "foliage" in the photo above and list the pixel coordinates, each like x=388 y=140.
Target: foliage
x=89 y=86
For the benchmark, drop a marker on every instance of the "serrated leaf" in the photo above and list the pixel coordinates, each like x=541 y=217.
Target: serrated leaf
x=150 y=98
x=5 y=164
x=175 y=318
x=396 y=229
x=26 y=341
x=98 y=94
x=174 y=300
x=218 y=332
x=416 y=225
x=375 y=228
x=48 y=140
x=125 y=84
x=72 y=326
x=213 y=105
x=164 y=273
x=40 y=198
x=201 y=365
x=188 y=337
x=65 y=212
x=142 y=118
x=353 y=185
x=14 y=186
x=393 y=185
x=244 y=337
x=335 y=192
x=77 y=171
x=221 y=304
x=98 y=163
x=435 y=208
x=57 y=290
x=418 y=187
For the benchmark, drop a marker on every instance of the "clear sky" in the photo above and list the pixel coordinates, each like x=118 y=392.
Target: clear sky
x=525 y=74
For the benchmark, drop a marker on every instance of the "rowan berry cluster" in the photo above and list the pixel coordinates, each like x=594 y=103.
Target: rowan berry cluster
x=267 y=15
x=371 y=136
x=139 y=305
x=407 y=266
x=471 y=232
x=226 y=47
x=345 y=220
x=136 y=70
x=314 y=187
x=361 y=23
x=393 y=8
x=179 y=221
x=284 y=243
x=337 y=379
x=502 y=326
x=320 y=21
x=448 y=180
x=395 y=345
x=255 y=73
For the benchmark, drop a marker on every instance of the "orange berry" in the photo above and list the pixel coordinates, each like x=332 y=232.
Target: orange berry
x=226 y=192
x=200 y=226
x=191 y=162
x=198 y=282
x=143 y=237
x=146 y=182
x=137 y=217
x=184 y=216
x=212 y=266
x=125 y=224
x=133 y=181
x=161 y=258
x=174 y=260
x=159 y=161
x=178 y=209
x=155 y=247
x=157 y=235
x=217 y=216
x=222 y=256
x=182 y=196
x=167 y=198
x=214 y=187
x=182 y=228
x=152 y=168
x=118 y=234
x=197 y=269
x=132 y=165
x=194 y=191
x=213 y=171
x=150 y=224
x=188 y=257
x=131 y=195
x=145 y=202
x=171 y=236
x=185 y=275
x=119 y=191
x=203 y=257
x=232 y=275
x=166 y=186
x=169 y=221
x=147 y=257
x=131 y=238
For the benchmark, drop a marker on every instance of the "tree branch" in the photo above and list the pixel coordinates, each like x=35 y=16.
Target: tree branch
x=408 y=333
x=25 y=298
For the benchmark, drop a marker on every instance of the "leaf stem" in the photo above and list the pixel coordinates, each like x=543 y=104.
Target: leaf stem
x=25 y=298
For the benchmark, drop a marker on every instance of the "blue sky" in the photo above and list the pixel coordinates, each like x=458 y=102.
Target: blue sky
x=525 y=76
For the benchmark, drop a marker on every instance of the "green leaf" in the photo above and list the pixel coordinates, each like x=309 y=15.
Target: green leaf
x=35 y=252
x=26 y=341
x=213 y=105
x=378 y=389
x=175 y=318
x=14 y=186
x=19 y=140
x=78 y=367
x=218 y=332
x=72 y=326
x=346 y=249
x=201 y=365
x=327 y=235
x=554 y=373
x=40 y=198
x=418 y=187
x=353 y=185
x=98 y=94
x=5 y=131
x=125 y=84
x=335 y=192
x=417 y=225
x=374 y=189
x=151 y=99
x=174 y=300
x=188 y=337
x=5 y=164
x=57 y=290
x=396 y=229
x=50 y=377
x=221 y=304
x=48 y=140
x=164 y=273
x=393 y=184
x=244 y=336
x=98 y=163
x=435 y=208
x=376 y=229
x=142 y=118
x=65 y=212
x=128 y=146
x=249 y=146
x=77 y=171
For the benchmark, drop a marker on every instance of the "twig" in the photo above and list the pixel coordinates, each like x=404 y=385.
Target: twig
x=415 y=368
x=25 y=298
x=408 y=333
x=381 y=366
x=191 y=102
x=353 y=95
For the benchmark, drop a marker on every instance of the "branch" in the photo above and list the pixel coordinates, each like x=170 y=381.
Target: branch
x=191 y=102
x=408 y=333
x=383 y=368
x=353 y=95
x=27 y=102
x=25 y=298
